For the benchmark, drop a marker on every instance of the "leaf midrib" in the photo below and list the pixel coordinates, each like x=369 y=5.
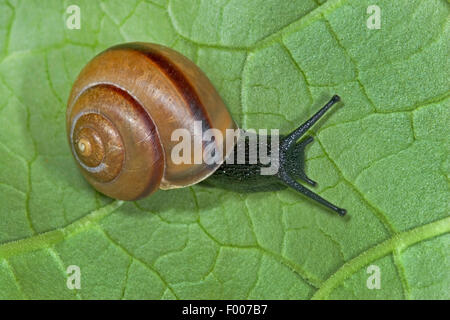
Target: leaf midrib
x=398 y=242
x=50 y=238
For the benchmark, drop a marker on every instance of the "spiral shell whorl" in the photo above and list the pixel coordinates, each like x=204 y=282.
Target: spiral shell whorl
x=97 y=146
x=115 y=143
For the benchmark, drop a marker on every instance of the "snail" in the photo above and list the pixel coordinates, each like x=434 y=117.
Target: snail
x=127 y=102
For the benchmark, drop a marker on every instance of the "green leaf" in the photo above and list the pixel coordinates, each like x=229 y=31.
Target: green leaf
x=383 y=155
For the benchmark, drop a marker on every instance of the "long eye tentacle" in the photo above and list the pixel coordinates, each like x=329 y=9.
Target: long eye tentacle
x=292 y=138
x=290 y=149
x=286 y=178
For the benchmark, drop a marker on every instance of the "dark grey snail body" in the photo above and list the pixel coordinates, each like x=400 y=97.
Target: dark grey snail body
x=247 y=177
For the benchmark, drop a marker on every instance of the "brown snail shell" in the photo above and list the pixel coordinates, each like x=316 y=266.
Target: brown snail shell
x=121 y=113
